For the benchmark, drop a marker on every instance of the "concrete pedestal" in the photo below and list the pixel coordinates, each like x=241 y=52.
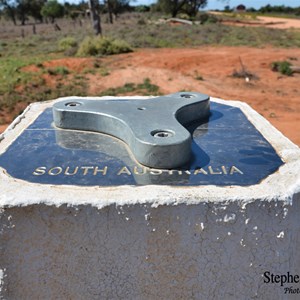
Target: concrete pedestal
x=149 y=241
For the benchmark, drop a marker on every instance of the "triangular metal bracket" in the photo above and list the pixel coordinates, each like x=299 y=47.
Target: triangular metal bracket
x=153 y=128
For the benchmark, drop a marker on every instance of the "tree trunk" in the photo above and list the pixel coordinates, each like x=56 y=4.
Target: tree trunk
x=110 y=14
x=12 y=14
x=23 y=20
x=96 y=22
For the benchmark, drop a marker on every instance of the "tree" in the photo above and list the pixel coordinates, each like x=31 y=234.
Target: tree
x=52 y=9
x=142 y=8
x=174 y=7
x=22 y=10
x=227 y=8
x=117 y=7
x=192 y=7
x=35 y=9
x=9 y=9
x=108 y=4
x=96 y=21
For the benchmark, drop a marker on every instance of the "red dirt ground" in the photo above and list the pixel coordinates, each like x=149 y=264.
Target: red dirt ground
x=275 y=96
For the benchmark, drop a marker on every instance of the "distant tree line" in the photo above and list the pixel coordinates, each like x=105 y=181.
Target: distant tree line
x=268 y=9
x=280 y=9
x=48 y=10
x=39 y=10
x=175 y=7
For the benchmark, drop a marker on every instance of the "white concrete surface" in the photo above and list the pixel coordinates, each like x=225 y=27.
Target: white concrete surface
x=151 y=242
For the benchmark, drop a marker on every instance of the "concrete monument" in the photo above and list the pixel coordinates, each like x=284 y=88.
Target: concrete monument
x=88 y=215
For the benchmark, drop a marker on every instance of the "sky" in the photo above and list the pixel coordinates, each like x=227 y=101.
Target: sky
x=219 y=4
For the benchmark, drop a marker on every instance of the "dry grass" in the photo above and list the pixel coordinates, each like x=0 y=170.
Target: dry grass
x=19 y=47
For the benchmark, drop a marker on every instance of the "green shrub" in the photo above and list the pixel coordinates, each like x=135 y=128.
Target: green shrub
x=148 y=86
x=104 y=72
x=199 y=77
x=58 y=71
x=71 y=51
x=206 y=18
x=119 y=46
x=183 y=16
x=67 y=43
x=40 y=65
x=145 y=88
x=87 y=47
x=284 y=67
x=102 y=46
x=141 y=22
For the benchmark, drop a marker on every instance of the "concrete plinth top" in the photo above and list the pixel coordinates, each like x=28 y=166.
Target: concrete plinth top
x=237 y=156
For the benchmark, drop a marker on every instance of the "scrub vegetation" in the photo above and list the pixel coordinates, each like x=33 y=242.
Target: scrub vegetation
x=28 y=47
x=284 y=67
x=146 y=88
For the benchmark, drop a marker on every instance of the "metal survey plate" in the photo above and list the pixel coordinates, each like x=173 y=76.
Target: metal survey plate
x=227 y=150
x=152 y=129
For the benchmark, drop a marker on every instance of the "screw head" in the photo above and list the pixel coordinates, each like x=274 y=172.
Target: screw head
x=162 y=133
x=72 y=104
x=187 y=96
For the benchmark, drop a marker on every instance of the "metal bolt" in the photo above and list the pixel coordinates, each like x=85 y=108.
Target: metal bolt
x=73 y=104
x=162 y=133
x=186 y=96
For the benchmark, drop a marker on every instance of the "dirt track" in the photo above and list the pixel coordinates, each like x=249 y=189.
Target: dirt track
x=275 y=96
x=271 y=22
x=281 y=23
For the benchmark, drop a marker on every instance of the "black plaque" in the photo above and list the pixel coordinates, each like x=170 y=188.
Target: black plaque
x=227 y=150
